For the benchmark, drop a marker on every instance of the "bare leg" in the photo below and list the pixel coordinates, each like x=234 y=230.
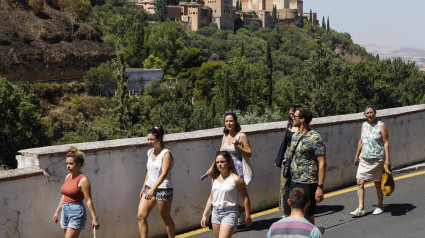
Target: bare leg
x=360 y=193
x=216 y=230
x=72 y=233
x=145 y=207
x=379 y=193
x=226 y=231
x=165 y=211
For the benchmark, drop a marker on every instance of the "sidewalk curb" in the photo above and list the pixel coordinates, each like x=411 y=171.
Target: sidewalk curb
x=409 y=169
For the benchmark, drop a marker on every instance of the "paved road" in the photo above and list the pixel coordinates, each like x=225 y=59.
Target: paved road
x=403 y=217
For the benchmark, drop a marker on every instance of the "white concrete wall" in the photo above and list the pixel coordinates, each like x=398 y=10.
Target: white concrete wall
x=116 y=169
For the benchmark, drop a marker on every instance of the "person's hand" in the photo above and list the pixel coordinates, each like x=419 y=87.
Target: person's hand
x=95 y=223
x=149 y=194
x=387 y=162
x=234 y=141
x=55 y=217
x=356 y=161
x=209 y=171
x=319 y=195
x=203 y=221
x=141 y=192
x=248 y=221
x=276 y=165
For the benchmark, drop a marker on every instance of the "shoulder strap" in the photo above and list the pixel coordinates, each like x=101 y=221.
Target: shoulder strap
x=295 y=148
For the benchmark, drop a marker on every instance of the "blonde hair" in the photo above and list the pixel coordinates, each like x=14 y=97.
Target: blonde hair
x=77 y=155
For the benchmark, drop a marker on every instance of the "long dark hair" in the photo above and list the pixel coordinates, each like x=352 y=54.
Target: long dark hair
x=215 y=172
x=158 y=132
x=235 y=118
x=294 y=107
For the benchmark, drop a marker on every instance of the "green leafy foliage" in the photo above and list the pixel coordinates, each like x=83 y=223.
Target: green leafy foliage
x=100 y=80
x=21 y=125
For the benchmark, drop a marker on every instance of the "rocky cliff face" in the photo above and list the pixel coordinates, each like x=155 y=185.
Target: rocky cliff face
x=47 y=45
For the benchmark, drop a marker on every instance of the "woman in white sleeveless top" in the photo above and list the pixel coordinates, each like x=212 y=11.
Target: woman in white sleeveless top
x=237 y=144
x=157 y=188
x=225 y=186
x=373 y=151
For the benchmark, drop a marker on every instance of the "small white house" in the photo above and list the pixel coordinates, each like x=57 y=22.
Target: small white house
x=139 y=77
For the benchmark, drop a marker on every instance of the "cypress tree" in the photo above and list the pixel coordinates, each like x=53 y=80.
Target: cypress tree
x=311 y=16
x=269 y=64
x=274 y=13
x=328 y=29
x=323 y=23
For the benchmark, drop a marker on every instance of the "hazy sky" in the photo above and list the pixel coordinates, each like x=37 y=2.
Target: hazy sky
x=379 y=22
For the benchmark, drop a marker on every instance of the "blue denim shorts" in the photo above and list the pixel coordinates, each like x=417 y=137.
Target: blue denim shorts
x=227 y=215
x=73 y=215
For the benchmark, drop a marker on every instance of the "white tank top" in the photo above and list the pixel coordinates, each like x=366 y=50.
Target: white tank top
x=224 y=194
x=155 y=169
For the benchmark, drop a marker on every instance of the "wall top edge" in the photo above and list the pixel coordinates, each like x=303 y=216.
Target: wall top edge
x=216 y=132
x=6 y=175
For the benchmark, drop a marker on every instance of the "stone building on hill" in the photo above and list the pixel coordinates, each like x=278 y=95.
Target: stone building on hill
x=193 y=15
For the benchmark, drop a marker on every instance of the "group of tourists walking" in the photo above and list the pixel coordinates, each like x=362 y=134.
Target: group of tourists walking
x=302 y=157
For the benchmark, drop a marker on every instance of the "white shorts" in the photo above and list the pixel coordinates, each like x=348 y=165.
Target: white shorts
x=370 y=169
x=227 y=215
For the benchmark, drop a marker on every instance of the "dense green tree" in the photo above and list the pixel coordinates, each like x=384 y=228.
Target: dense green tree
x=315 y=77
x=135 y=52
x=100 y=80
x=161 y=10
x=165 y=40
x=175 y=115
x=21 y=124
x=205 y=81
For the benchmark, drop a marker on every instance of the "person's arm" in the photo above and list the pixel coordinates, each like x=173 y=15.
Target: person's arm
x=322 y=173
x=212 y=165
x=384 y=133
x=240 y=185
x=282 y=149
x=166 y=166
x=243 y=145
x=85 y=187
x=58 y=209
x=206 y=210
x=359 y=148
x=144 y=184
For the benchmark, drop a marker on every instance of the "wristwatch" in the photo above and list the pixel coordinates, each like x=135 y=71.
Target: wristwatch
x=320 y=185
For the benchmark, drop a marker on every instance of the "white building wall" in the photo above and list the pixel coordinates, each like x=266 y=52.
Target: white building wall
x=116 y=169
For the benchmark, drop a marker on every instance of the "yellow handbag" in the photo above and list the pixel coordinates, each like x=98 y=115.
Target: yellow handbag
x=387 y=181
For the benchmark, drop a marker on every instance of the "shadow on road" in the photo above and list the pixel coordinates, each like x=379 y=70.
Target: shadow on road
x=322 y=210
x=258 y=225
x=399 y=209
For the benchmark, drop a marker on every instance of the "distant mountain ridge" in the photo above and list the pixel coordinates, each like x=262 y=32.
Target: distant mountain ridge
x=392 y=52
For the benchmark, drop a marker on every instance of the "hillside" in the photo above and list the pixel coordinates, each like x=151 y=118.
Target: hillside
x=392 y=52
x=48 y=45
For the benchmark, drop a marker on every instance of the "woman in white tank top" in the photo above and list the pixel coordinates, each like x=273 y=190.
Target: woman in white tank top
x=225 y=186
x=157 y=188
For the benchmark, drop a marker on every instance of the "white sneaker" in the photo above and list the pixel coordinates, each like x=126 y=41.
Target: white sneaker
x=358 y=212
x=378 y=211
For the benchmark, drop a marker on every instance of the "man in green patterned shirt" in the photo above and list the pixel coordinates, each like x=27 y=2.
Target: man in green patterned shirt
x=308 y=165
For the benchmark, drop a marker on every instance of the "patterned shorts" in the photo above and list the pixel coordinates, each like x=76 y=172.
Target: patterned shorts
x=161 y=194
